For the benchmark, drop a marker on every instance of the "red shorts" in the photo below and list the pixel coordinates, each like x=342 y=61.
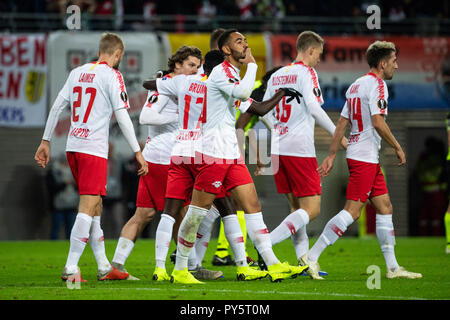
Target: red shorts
x=89 y=173
x=219 y=176
x=152 y=187
x=296 y=175
x=366 y=180
x=180 y=179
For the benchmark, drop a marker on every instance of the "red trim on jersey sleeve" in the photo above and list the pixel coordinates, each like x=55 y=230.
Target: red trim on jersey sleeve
x=226 y=68
x=313 y=76
x=381 y=93
x=121 y=84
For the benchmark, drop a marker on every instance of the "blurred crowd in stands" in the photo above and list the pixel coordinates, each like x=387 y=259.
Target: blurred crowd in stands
x=395 y=10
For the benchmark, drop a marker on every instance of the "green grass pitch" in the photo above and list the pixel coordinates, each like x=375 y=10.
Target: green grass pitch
x=31 y=270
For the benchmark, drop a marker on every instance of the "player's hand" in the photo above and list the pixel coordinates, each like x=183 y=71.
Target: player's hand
x=292 y=94
x=344 y=143
x=259 y=168
x=248 y=57
x=143 y=166
x=401 y=157
x=326 y=166
x=42 y=155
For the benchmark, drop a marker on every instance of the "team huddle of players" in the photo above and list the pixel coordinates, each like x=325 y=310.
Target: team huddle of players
x=192 y=168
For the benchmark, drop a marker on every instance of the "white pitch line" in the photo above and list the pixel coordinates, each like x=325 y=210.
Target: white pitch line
x=250 y=291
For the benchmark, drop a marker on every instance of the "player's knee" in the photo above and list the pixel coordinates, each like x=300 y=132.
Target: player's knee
x=355 y=213
x=145 y=215
x=252 y=205
x=386 y=209
x=313 y=214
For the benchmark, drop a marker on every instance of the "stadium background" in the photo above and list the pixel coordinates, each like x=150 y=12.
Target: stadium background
x=37 y=51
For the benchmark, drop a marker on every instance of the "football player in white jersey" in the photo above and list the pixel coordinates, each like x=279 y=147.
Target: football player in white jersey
x=185 y=162
x=160 y=113
x=365 y=110
x=222 y=166
x=94 y=91
x=292 y=145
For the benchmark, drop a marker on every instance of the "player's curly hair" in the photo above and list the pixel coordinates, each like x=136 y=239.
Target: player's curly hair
x=182 y=54
x=379 y=50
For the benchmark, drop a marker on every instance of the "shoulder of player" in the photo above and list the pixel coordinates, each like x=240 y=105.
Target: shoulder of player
x=155 y=97
x=225 y=70
x=375 y=83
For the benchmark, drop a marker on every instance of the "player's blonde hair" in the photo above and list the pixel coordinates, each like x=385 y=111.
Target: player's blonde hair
x=378 y=51
x=109 y=43
x=308 y=39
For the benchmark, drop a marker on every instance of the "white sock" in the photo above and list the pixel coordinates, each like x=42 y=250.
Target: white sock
x=163 y=238
x=123 y=250
x=97 y=241
x=187 y=234
x=233 y=233
x=79 y=236
x=386 y=237
x=333 y=230
x=192 y=260
x=204 y=234
x=301 y=242
x=259 y=235
x=289 y=226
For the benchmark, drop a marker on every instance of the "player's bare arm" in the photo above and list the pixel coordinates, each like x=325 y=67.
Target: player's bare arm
x=338 y=136
x=385 y=133
x=263 y=107
x=149 y=84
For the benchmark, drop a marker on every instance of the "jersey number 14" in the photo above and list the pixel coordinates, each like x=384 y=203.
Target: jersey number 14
x=354 y=110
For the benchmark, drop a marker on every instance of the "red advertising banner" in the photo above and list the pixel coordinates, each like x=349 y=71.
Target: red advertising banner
x=23 y=80
x=422 y=80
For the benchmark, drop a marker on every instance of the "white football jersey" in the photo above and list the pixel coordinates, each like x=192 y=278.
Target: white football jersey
x=161 y=138
x=94 y=91
x=219 y=133
x=365 y=97
x=190 y=92
x=293 y=124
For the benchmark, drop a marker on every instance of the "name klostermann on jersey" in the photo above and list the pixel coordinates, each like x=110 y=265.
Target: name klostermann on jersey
x=281 y=80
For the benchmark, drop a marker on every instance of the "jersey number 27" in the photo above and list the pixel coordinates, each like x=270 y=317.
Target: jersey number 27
x=77 y=103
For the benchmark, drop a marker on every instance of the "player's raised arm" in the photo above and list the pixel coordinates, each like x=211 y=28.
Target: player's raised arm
x=244 y=89
x=149 y=84
x=263 y=107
